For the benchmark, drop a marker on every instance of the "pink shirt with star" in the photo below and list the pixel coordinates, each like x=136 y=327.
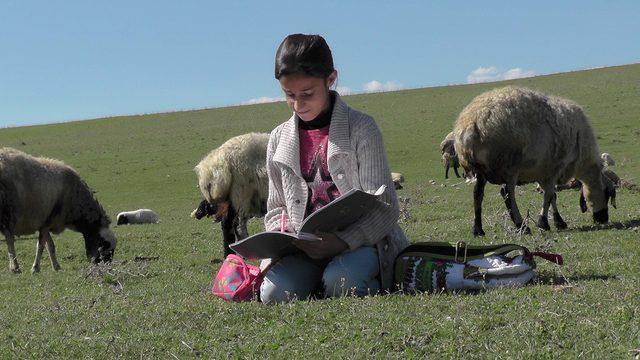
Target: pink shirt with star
x=315 y=171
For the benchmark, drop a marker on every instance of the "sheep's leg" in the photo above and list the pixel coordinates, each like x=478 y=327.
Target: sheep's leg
x=240 y=228
x=455 y=170
x=39 y=248
x=13 y=260
x=549 y=193
x=478 y=195
x=51 y=249
x=557 y=219
x=503 y=193
x=512 y=206
x=228 y=232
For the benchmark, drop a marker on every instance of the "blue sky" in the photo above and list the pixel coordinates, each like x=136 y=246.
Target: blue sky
x=72 y=60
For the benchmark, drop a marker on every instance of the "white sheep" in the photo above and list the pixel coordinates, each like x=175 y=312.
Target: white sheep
x=45 y=195
x=516 y=136
x=140 y=216
x=233 y=181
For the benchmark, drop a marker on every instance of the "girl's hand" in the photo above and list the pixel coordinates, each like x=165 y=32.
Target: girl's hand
x=328 y=247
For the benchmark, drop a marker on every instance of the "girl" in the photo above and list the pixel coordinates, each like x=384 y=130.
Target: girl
x=325 y=149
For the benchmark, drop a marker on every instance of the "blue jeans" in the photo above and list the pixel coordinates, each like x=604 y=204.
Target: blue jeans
x=298 y=276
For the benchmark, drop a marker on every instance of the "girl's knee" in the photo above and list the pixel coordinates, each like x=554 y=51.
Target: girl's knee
x=337 y=282
x=272 y=294
x=281 y=291
x=341 y=283
x=289 y=280
x=354 y=273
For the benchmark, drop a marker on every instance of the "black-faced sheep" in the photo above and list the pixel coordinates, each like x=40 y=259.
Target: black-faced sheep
x=233 y=181
x=516 y=136
x=45 y=195
x=140 y=216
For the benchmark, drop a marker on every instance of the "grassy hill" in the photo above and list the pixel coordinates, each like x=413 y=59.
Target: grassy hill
x=160 y=308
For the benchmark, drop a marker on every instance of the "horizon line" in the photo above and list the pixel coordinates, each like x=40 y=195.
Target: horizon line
x=161 y=112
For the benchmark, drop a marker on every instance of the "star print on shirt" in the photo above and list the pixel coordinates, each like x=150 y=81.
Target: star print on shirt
x=319 y=181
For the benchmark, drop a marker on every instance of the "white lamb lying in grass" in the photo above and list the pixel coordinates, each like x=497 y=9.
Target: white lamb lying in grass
x=140 y=216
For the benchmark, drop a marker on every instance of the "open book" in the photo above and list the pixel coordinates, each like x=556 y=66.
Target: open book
x=335 y=216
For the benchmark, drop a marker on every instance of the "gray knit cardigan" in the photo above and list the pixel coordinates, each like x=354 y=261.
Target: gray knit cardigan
x=356 y=159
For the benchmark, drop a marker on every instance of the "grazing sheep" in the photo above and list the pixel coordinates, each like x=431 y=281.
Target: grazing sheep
x=397 y=179
x=140 y=216
x=449 y=156
x=45 y=195
x=233 y=181
x=514 y=136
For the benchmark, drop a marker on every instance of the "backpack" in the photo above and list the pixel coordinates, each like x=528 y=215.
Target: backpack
x=442 y=266
x=237 y=280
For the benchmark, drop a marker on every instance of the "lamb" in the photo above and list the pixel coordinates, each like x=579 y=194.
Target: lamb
x=140 y=216
x=45 y=195
x=514 y=136
x=233 y=181
x=449 y=156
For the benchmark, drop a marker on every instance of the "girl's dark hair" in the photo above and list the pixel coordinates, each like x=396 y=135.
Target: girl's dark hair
x=304 y=54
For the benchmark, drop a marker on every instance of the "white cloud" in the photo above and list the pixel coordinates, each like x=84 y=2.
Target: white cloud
x=344 y=90
x=518 y=73
x=377 y=86
x=370 y=87
x=262 y=100
x=487 y=74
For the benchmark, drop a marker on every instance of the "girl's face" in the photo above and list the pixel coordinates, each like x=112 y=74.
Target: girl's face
x=307 y=96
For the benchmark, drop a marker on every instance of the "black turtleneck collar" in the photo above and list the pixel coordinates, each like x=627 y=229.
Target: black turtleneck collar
x=321 y=120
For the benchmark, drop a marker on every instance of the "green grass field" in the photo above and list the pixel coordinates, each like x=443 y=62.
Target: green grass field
x=160 y=308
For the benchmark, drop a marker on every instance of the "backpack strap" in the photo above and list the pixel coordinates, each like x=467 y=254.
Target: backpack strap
x=554 y=258
x=462 y=252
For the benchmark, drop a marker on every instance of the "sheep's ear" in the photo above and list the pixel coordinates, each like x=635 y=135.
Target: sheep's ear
x=583 y=202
